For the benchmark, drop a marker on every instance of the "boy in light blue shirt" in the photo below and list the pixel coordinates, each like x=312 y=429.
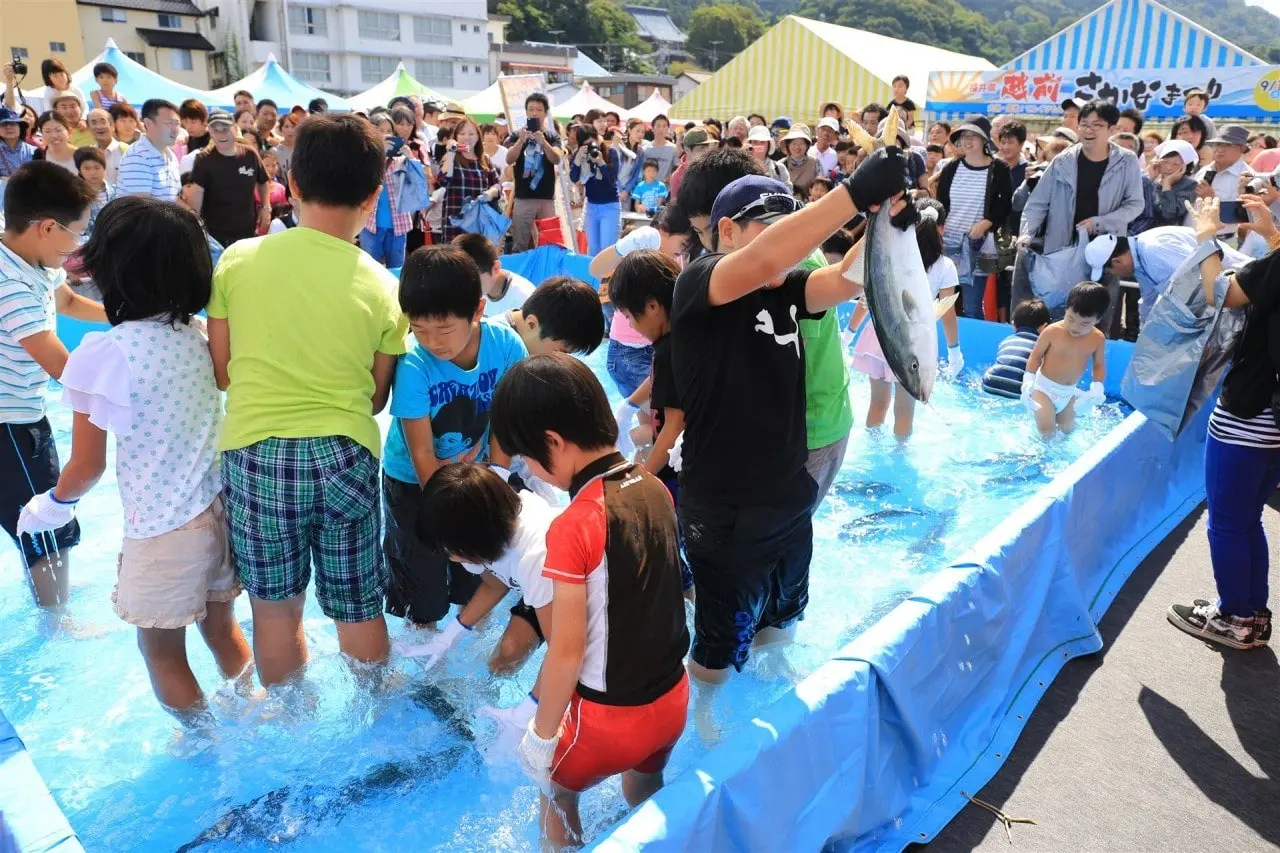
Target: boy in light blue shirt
x=651 y=193
x=443 y=389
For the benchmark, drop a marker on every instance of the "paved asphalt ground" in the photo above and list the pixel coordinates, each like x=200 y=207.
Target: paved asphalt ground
x=1158 y=742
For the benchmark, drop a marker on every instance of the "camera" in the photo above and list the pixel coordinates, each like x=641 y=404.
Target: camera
x=593 y=150
x=1262 y=182
x=19 y=67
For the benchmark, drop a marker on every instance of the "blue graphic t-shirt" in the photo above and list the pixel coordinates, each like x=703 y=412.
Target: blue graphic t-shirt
x=650 y=194
x=456 y=400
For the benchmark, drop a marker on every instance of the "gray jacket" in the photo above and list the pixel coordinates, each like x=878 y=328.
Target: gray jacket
x=1120 y=198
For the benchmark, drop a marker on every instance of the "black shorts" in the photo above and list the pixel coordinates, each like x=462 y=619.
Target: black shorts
x=29 y=466
x=423 y=582
x=751 y=570
x=520 y=610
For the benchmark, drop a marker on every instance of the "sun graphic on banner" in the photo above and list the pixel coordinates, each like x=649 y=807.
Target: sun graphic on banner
x=951 y=85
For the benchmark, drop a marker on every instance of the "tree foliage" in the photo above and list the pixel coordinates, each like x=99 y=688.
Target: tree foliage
x=718 y=32
x=600 y=27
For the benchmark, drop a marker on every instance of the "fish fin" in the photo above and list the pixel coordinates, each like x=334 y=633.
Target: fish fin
x=909 y=305
x=859 y=136
x=890 y=135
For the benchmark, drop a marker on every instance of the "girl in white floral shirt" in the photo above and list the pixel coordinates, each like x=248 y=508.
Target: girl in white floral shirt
x=149 y=380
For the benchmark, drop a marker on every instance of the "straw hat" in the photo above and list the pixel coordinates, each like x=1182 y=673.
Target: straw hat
x=798 y=131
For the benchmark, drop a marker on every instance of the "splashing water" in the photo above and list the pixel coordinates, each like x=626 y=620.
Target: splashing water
x=341 y=760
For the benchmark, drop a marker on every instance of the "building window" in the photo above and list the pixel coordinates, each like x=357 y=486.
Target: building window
x=463 y=27
x=137 y=56
x=113 y=16
x=19 y=52
x=376 y=68
x=475 y=28
x=432 y=30
x=57 y=47
x=490 y=38
x=180 y=58
x=435 y=72
x=311 y=67
x=307 y=21
x=380 y=26
x=465 y=69
x=170 y=22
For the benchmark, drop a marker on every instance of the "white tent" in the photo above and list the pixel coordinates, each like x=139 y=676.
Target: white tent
x=486 y=103
x=587 y=99
x=272 y=81
x=399 y=83
x=651 y=107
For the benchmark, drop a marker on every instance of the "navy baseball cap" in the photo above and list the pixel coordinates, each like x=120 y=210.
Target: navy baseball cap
x=754 y=198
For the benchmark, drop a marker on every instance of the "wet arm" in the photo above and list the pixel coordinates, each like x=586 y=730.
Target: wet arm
x=671 y=427
x=71 y=304
x=1038 y=353
x=48 y=352
x=563 y=664
x=384 y=371
x=88 y=460
x=485 y=598
x=422 y=447
x=1100 y=360
x=950 y=325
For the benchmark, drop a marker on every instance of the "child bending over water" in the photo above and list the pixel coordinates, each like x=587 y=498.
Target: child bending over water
x=1060 y=357
x=150 y=381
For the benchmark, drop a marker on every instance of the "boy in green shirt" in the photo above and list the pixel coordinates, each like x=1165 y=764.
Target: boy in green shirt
x=305 y=330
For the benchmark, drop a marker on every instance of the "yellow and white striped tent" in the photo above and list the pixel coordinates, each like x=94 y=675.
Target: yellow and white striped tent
x=800 y=64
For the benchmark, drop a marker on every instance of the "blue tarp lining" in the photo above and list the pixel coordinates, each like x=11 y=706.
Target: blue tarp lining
x=26 y=806
x=879 y=746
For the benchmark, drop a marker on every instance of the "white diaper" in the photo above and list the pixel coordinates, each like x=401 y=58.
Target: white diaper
x=1060 y=395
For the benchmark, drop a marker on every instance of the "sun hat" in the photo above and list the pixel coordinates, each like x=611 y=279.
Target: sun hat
x=8 y=116
x=1231 y=134
x=65 y=95
x=978 y=125
x=1098 y=252
x=829 y=123
x=1181 y=147
x=904 y=136
x=755 y=198
x=797 y=131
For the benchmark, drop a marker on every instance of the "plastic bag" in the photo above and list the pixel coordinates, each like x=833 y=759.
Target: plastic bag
x=1054 y=274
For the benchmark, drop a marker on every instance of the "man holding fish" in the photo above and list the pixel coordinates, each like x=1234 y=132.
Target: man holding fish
x=746 y=500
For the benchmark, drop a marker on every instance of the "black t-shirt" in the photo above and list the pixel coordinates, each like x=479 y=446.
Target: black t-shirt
x=662 y=393
x=1252 y=379
x=546 y=188
x=229 y=210
x=739 y=373
x=1088 y=183
x=198 y=143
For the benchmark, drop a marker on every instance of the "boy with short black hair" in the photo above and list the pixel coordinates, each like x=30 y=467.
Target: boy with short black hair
x=651 y=193
x=612 y=693
x=1059 y=359
x=444 y=388
x=470 y=514
x=1004 y=378
x=503 y=289
x=561 y=315
x=46 y=209
x=300 y=445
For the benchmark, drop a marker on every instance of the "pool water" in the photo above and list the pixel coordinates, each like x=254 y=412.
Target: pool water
x=393 y=760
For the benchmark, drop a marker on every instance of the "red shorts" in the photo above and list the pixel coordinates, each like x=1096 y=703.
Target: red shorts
x=599 y=741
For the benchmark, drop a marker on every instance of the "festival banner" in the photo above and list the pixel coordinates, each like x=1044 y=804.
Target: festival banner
x=1246 y=93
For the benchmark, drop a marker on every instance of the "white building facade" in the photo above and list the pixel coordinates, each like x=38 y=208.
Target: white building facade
x=346 y=46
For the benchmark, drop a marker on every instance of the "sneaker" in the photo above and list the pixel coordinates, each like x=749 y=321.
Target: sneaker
x=1261 y=623
x=1202 y=619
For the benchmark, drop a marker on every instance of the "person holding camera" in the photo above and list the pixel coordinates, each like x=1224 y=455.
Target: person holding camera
x=533 y=153
x=596 y=165
x=465 y=172
x=56 y=79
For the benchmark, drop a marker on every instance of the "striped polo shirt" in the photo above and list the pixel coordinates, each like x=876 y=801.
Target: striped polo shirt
x=1004 y=378
x=145 y=170
x=27 y=307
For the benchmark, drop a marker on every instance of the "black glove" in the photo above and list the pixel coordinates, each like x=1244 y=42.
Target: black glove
x=878 y=179
x=906 y=217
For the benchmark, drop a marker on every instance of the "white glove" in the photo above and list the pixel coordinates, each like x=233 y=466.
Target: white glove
x=646 y=237
x=433 y=651
x=675 y=457
x=1028 y=384
x=1095 y=395
x=512 y=724
x=535 y=754
x=44 y=512
x=955 y=362
x=624 y=415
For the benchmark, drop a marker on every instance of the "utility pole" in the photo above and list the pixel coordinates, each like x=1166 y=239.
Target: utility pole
x=714 y=43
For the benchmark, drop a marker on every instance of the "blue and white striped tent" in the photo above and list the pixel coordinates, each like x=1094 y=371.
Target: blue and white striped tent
x=1132 y=34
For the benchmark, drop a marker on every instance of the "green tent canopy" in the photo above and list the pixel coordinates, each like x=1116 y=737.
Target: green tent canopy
x=400 y=82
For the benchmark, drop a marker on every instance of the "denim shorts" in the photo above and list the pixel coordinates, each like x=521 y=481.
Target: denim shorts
x=292 y=502
x=628 y=366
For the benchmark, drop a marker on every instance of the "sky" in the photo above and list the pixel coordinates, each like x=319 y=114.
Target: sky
x=1272 y=6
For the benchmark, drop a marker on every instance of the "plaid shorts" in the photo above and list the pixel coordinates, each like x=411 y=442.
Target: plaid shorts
x=294 y=501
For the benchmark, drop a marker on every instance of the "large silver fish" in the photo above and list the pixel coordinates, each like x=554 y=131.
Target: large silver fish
x=898 y=296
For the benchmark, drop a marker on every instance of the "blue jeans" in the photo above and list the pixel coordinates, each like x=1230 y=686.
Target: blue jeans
x=386 y=248
x=603 y=223
x=973 y=284
x=628 y=366
x=1238 y=482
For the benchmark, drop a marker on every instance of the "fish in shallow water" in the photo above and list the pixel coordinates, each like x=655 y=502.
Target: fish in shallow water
x=900 y=301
